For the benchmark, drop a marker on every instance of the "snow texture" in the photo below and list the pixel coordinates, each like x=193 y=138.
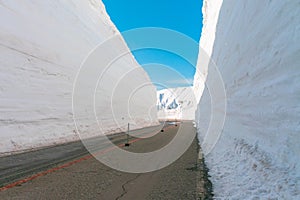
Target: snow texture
x=42 y=44
x=176 y=103
x=255 y=44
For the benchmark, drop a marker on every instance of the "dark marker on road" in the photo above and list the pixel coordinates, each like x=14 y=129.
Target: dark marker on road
x=127 y=140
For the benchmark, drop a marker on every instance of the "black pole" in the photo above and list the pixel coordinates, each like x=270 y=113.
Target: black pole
x=127 y=139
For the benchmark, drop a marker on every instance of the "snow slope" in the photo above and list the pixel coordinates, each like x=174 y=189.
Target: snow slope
x=42 y=44
x=255 y=44
x=176 y=103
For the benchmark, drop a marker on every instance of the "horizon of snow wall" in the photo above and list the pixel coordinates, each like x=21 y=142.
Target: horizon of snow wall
x=42 y=45
x=255 y=45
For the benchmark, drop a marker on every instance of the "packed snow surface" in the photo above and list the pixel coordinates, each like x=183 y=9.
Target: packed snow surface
x=42 y=45
x=255 y=45
x=176 y=103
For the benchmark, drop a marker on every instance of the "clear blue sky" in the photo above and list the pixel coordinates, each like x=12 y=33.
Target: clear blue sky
x=181 y=16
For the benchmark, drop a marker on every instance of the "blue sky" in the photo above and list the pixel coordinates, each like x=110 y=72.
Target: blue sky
x=165 y=69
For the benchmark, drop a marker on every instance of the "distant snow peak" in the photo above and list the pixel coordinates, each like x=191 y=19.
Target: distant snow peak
x=176 y=103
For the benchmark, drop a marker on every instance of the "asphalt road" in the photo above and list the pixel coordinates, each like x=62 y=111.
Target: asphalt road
x=69 y=172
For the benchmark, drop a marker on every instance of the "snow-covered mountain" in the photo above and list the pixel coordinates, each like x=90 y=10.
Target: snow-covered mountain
x=255 y=45
x=176 y=103
x=42 y=45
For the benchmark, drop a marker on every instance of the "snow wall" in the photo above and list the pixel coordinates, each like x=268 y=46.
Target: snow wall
x=255 y=45
x=42 y=45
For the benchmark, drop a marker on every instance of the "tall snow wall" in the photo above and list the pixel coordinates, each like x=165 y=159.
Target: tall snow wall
x=42 y=45
x=255 y=45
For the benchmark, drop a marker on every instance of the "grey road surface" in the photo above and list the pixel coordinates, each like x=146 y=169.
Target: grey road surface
x=90 y=179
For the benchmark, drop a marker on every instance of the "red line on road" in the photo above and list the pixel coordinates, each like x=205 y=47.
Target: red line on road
x=44 y=173
x=17 y=183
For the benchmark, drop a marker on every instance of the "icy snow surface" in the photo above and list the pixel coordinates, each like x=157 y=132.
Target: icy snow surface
x=255 y=44
x=42 y=44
